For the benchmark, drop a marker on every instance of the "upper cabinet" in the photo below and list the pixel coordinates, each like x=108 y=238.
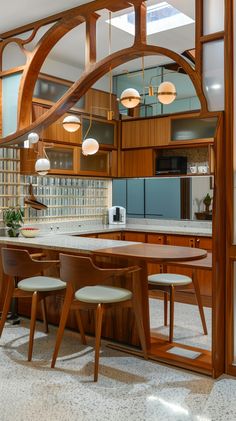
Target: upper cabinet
x=102 y=130
x=145 y=133
x=184 y=129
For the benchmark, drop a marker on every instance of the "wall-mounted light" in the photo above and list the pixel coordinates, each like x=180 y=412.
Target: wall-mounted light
x=71 y=123
x=90 y=146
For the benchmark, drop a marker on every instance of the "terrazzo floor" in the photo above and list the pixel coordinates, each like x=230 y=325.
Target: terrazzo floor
x=128 y=388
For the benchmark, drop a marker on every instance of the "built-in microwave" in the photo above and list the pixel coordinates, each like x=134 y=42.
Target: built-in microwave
x=171 y=165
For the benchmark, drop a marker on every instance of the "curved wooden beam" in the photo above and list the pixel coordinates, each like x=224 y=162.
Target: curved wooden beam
x=88 y=78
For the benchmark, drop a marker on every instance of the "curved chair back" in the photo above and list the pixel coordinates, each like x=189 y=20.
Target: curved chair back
x=81 y=271
x=18 y=263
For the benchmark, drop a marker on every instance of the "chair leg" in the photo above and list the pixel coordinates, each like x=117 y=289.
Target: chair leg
x=64 y=315
x=7 y=303
x=165 y=308
x=32 y=323
x=44 y=314
x=199 y=301
x=80 y=326
x=172 y=301
x=99 y=314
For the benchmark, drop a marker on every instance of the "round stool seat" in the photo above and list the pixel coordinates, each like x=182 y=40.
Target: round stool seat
x=169 y=279
x=99 y=294
x=41 y=283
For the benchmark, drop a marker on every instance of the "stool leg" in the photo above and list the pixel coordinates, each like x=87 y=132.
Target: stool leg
x=44 y=314
x=7 y=303
x=64 y=315
x=99 y=314
x=32 y=323
x=199 y=301
x=165 y=308
x=80 y=326
x=172 y=300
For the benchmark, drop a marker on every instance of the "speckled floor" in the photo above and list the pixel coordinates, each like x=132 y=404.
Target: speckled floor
x=128 y=389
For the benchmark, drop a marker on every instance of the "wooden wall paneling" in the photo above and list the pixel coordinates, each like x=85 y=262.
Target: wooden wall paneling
x=113 y=171
x=28 y=158
x=145 y=133
x=137 y=163
x=98 y=102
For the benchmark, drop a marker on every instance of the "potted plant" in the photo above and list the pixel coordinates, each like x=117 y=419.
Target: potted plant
x=13 y=218
x=207 y=202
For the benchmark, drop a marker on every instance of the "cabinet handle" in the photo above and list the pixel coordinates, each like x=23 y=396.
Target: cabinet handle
x=197 y=241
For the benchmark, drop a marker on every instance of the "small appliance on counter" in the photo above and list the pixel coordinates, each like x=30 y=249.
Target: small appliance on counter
x=117 y=215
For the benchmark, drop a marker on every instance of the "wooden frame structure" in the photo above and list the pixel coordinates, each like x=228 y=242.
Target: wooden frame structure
x=223 y=249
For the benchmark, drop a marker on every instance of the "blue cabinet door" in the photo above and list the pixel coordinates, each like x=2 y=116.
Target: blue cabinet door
x=162 y=198
x=119 y=193
x=135 y=197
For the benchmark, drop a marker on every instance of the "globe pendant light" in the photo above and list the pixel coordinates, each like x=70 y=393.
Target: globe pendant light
x=90 y=146
x=166 y=93
x=33 y=137
x=42 y=166
x=130 y=98
x=71 y=123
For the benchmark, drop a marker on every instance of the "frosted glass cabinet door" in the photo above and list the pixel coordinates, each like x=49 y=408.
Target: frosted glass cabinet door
x=162 y=198
x=135 y=197
x=213 y=16
x=10 y=89
x=213 y=74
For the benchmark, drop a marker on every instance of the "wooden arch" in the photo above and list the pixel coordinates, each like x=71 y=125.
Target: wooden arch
x=93 y=72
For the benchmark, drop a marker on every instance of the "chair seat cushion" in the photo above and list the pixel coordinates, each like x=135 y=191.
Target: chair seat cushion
x=102 y=294
x=169 y=279
x=41 y=283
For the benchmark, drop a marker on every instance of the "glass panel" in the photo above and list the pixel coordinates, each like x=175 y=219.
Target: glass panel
x=60 y=159
x=101 y=131
x=53 y=91
x=213 y=74
x=97 y=162
x=193 y=128
x=213 y=16
x=10 y=89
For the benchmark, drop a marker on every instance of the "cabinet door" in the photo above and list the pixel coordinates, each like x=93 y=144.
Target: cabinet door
x=162 y=198
x=63 y=159
x=135 y=198
x=103 y=131
x=204 y=243
x=145 y=132
x=119 y=193
x=156 y=238
x=180 y=240
x=135 y=236
x=97 y=164
x=137 y=163
x=110 y=235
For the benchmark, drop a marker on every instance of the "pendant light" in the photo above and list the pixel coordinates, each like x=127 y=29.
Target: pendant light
x=90 y=146
x=33 y=138
x=42 y=165
x=71 y=123
x=166 y=93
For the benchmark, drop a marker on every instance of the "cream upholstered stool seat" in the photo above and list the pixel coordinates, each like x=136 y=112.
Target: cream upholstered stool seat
x=41 y=284
x=102 y=294
x=167 y=282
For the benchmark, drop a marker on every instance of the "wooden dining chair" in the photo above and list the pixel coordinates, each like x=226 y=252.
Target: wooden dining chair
x=21 y=270
x=90 y=287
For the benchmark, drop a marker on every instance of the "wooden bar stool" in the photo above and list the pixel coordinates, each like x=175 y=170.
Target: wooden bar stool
x=167 y=282
x=90 y=287
x=18 y=264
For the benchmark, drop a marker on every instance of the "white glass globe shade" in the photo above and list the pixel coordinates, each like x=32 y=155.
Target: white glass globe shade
x=71 y=123
x=130 y=98
x=42 y=166
x=90 y=146
x=33 y=137
x=166 y=93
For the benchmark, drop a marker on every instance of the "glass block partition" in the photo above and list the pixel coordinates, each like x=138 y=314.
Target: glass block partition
x=66 y=198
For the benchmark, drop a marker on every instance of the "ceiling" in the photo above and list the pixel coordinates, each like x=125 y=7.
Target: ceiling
x=71 y=49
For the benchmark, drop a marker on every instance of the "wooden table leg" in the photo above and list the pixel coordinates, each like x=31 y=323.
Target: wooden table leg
x=199 y=300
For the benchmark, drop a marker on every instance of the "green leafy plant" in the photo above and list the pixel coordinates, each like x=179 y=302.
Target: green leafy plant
x=207 y=202
x=13 y=219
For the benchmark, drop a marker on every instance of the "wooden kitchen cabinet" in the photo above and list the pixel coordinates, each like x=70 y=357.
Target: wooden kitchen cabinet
x=135 y=236
x=146 y=132
x=63 y=159
x=137 y=163
x=180 y=240
x=110 y=235
x=105 y=132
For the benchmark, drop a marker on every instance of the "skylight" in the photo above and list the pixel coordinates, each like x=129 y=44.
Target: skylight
x=160 y=17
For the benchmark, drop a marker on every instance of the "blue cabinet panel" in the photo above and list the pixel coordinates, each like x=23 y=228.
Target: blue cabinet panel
x=135 y=197
x=119 y=193
x=162 y=198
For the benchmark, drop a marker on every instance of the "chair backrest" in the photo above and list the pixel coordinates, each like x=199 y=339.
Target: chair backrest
x=18 y=263
x=81 y=271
